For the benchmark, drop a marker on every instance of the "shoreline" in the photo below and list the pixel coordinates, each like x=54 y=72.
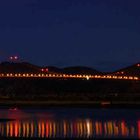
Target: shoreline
x=69 y=104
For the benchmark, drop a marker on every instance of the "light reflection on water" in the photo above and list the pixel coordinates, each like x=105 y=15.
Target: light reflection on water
x=44 y=124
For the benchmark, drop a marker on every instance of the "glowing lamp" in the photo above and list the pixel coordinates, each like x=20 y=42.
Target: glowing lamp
x=87 y=77
x=44 y=70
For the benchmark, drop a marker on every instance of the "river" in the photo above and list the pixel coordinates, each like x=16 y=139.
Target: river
x=70 y=123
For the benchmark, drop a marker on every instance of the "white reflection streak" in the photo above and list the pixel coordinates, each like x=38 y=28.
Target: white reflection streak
x=88 y=128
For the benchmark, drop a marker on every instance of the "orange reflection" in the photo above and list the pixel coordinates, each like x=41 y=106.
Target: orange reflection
x=7 y=129
x=32 y=129
x=47 y=129
x=79 y=128
x=65 y=129
x=43 y=129
x=27 y=129
x=97 y=128
x=54 y=130
x=39 y=129
x=16 y=129
x=116 y=130
x=50 y=129
x=11 y=129
x=24 y=129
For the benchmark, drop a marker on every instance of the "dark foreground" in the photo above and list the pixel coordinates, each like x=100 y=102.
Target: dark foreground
x=68 y=91
x=4 y=138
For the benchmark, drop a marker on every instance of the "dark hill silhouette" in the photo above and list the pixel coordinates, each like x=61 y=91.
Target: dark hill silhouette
x=133 y=70
x=10 y=67
x=25 y=67
x=81 y=70
x=53 y=69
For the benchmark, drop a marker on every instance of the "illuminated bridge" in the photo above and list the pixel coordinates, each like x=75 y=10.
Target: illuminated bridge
x=66 y=76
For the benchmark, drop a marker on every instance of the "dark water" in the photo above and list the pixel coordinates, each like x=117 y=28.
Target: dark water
x=71 y=123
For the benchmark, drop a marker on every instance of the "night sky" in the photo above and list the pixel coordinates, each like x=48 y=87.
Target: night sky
x=103 y=34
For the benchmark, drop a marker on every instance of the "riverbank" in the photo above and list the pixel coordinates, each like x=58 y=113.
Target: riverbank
x=83 y=104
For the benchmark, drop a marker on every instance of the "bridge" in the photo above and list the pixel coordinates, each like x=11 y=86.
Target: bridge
x=66 y=76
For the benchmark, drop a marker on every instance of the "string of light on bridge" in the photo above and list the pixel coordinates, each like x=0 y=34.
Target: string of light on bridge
x=66 y=76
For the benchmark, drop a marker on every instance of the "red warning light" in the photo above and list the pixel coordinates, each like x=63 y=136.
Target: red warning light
x=44 y=70
x=13 y=57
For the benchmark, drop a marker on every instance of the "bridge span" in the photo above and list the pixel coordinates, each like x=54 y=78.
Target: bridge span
x=66 y=76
